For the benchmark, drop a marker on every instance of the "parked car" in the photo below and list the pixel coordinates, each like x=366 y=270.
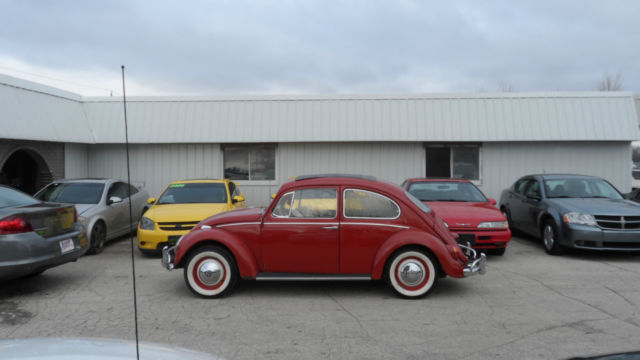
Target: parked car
x=35 y=235
x=336 y=227
x=102 y=204
x=182 y=205
x=572 y=211
x=465 y=210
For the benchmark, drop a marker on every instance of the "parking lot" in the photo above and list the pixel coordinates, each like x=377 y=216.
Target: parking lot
x=528 y=305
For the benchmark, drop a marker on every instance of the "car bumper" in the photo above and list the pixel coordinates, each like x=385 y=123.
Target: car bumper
x=595 y=238
x=485 y=239
x=154 y=240
x=168 y=257
x=24 y=254
x=477 y=264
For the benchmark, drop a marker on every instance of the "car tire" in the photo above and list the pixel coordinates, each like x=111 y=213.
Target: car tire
x=549 y=234
x=97 y=239
x=211 y=272
x=411 y=273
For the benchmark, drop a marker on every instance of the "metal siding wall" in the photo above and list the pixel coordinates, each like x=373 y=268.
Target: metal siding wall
x=76 y=161
x=156 y=165
x=503 y=163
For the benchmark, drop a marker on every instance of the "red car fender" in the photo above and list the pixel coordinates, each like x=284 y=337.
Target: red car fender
x=450 y=265
x=247 y=264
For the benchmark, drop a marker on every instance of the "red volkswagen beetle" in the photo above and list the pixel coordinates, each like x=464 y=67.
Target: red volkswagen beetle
x=465 y=210
x=325 y=227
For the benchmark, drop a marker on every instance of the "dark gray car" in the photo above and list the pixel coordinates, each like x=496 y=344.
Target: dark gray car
x=35 y=235
x=572 y=211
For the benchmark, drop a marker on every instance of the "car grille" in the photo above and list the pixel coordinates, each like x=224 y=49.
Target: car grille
x=618 y=222
x=177 y=226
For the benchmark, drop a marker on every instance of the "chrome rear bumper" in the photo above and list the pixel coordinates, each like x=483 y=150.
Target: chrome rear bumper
x=168 y=256
x=477 y=264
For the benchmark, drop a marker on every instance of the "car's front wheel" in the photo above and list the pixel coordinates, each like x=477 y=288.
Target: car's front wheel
x=211 y=272
x=550 y=238
x=411 y=273
x=97 y=238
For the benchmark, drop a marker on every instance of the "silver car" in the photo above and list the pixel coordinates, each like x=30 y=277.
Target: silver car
x=102 y=204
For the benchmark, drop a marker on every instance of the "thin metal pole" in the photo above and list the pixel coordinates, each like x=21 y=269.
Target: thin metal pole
x=133 y=263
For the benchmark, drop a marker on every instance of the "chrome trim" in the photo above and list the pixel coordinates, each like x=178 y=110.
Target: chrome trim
x=335 y=227
x=375 y=224
x=301 y=223
x=476 y=265
x=168 y=256
x=239 y=224
x=210 y=272
x=205 y=227
x=371 y=192
x=313 y=278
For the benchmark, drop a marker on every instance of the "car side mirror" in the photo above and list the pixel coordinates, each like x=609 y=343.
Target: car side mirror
x=237 y=198
x=151 y=201
x=492 y=201
x=114 y=200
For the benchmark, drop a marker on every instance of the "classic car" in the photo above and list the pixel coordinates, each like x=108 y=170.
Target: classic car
x=572 y=211
x=102 y=204
x=35 y=235
x=182 y=205
x=465 y=210
x=325 y=227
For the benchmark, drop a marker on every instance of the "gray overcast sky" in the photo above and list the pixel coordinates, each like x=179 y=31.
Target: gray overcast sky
x=312 y=47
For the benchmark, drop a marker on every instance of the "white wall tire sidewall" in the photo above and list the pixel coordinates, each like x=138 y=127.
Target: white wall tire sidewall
x=412 y=293
x=219 y=257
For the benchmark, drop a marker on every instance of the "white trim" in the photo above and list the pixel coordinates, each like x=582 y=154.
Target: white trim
x=375 y=224
x=239 y=224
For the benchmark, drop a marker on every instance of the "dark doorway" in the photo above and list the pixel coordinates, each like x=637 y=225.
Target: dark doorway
x=25 y=170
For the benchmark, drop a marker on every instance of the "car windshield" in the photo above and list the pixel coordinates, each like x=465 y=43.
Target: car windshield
x=190 y=193
x=72 y=193
x=580 y=188
x=10 y=197
x=446 y=191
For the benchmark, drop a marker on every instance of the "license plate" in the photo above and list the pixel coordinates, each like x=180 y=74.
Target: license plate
x=466 y=238
x=66 y=245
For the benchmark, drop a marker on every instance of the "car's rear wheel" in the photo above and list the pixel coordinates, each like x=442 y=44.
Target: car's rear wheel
x=211 y=272
x=97 y=238
x=550 y=238
x=411 y=273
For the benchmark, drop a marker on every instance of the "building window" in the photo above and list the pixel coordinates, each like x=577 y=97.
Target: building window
x=454 y=161
x=249 y=162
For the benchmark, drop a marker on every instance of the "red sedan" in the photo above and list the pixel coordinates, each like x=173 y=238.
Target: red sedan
x=334 y=227
x=465 y=210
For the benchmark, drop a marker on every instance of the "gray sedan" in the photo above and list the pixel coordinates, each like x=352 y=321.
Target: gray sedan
x=35 y=236
x=572 y=211
x=103 y=206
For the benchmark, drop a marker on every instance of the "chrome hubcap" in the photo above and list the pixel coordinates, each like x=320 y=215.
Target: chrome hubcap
x=548 y=237
x=210 y=272
x=411 y=272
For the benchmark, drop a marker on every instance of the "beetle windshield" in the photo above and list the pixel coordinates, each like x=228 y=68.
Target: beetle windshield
x=191 y=193
x=72 y=193
x=446 y=191
x=580 y=188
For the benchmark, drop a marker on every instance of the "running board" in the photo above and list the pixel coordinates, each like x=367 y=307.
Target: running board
x=310 y=277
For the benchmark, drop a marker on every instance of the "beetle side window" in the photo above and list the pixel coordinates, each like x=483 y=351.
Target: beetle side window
x=367 y=204
x=308 y=203
x=283 y=208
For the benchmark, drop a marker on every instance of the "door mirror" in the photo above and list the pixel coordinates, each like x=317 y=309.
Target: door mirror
x=492 y=201
x=237 y=198
x=151 y=201
x=114 y=200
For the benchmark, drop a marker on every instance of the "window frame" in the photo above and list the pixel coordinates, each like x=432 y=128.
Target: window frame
x=344 y=205
x=477 y=182
x=250 y=182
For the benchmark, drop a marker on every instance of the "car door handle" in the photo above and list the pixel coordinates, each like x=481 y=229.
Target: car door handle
x=330 y=227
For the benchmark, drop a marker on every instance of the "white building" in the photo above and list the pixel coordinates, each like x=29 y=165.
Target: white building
x=262 y=141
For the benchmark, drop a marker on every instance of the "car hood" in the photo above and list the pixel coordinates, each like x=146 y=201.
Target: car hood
x=595 y=206
x=183 y=212
x=465 y=214
x=234 y=216
x=87 y=348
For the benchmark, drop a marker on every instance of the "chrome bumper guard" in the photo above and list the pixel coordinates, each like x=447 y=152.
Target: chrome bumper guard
x=477 y=263
x=168 y=255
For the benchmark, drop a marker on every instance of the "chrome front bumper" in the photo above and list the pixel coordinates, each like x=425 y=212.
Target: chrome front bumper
x=477 y=262
x=168 y=256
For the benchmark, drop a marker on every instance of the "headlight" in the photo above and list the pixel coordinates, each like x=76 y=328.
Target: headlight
x=147 y=224
x=445 y=224
x=580 y=219
x=494 y=225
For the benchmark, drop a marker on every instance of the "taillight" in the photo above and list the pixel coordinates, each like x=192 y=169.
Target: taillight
x=14 y=225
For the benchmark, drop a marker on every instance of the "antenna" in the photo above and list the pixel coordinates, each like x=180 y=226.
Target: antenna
x=133 y=263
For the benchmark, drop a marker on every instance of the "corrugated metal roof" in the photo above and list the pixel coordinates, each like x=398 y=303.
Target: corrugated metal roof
x=45 y=114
